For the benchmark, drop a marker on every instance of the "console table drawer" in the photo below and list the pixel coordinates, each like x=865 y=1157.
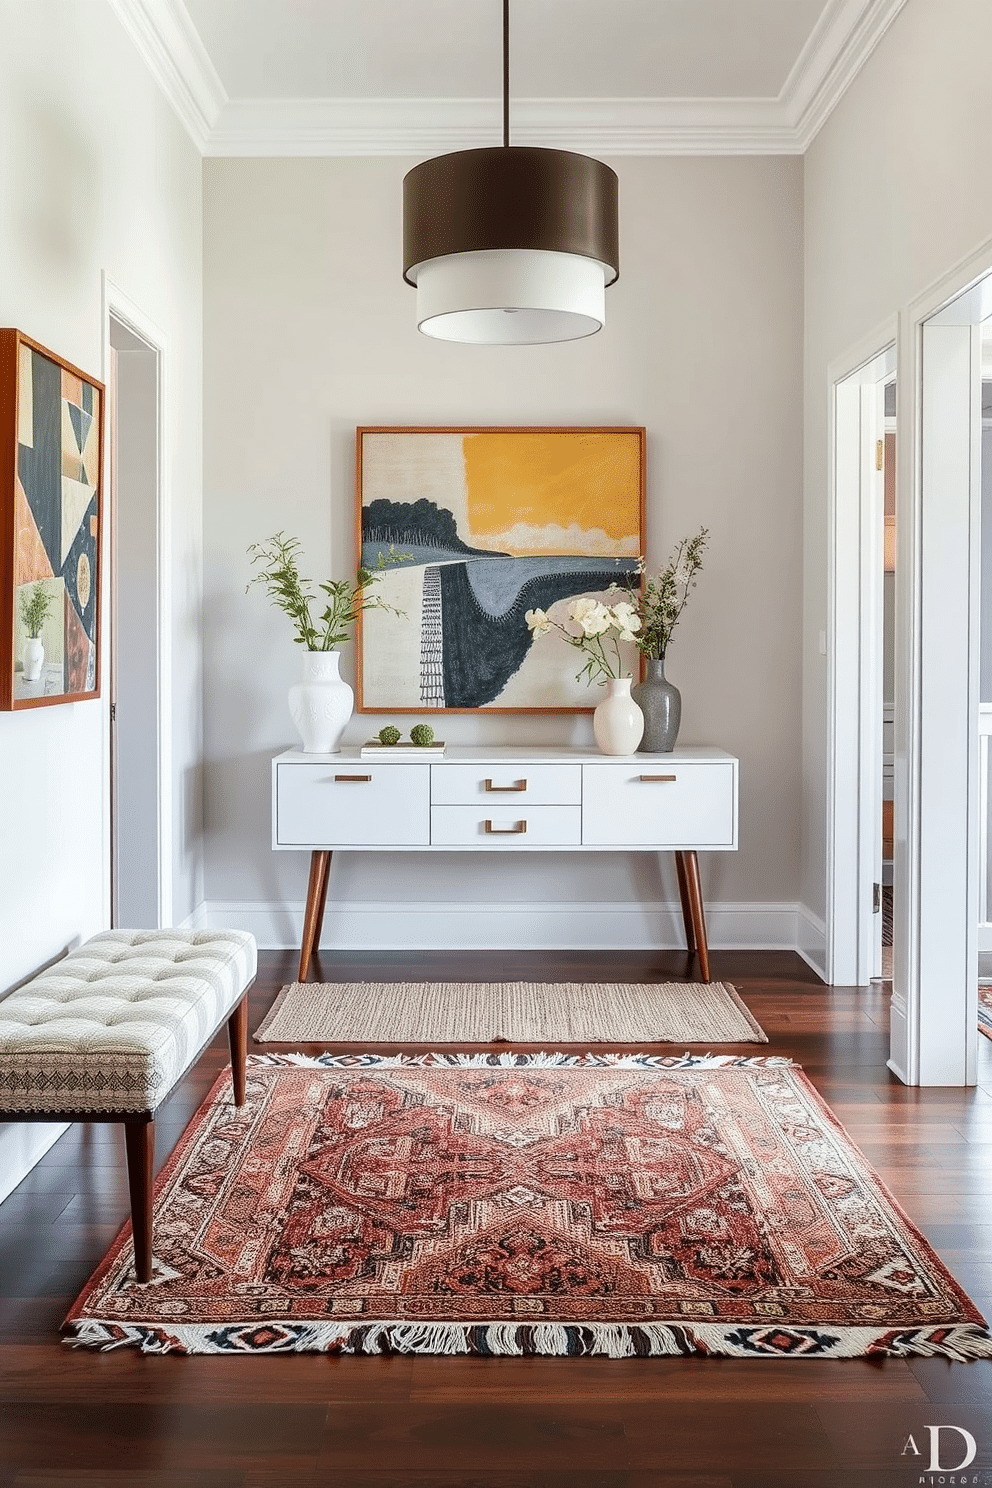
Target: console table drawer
x=659 y=804
x=505 y=823
x=506 y=786
x=353 y=805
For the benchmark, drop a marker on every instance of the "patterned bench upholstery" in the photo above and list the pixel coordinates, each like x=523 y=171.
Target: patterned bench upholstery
x=115 y=1024
x=108 y=1031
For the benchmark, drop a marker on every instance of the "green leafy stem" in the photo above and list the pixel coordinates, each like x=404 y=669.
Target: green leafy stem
x=277 y=560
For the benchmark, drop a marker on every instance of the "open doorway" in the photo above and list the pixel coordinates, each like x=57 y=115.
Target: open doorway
x=937 y=911
x=883 y=965
x=940 y=797
x=985 y=703
x=139 y=890
x=859 y=688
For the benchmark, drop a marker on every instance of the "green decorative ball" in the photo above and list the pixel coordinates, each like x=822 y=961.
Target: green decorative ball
x=389 y=735
x=422 y=734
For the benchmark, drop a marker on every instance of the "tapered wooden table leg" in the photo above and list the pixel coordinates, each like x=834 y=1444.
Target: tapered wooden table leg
x=690 y=934
x=691 y=864
x=139 y=1143
x=237 y=1033
x=320 y=863
x=321 y=902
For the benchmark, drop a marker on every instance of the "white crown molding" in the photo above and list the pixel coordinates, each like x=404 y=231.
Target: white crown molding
x=841 y=42
x=170 y=46
x=839 y=45
x=419 y=126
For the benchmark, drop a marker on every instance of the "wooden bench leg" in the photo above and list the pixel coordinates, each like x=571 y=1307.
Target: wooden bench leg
x=697 y=911
x=139 y=1141
x=320 y=865
x=237 y=1033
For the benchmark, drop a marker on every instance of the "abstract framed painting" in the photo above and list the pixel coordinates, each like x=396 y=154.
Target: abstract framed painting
x=472 y=528
x=51 y=494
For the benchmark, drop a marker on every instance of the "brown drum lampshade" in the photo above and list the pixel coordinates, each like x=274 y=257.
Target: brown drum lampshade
x=510 y=245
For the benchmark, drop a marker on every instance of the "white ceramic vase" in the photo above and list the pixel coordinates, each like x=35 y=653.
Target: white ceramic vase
x=322 y=703
x=32 y=658
x=618 y=722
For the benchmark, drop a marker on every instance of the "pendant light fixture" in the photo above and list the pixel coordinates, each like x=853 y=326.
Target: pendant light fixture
x=510 y=246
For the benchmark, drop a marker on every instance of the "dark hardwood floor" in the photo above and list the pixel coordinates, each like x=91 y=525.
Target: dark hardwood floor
x=120 y=1420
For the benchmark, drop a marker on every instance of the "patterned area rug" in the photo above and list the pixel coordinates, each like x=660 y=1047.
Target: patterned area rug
x=527 y=1204
x=509 y=1012
x=985 y=1009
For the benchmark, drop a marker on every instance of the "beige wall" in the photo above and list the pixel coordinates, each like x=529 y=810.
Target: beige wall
x=96 y=174
x=309 y=331
x=897 y=192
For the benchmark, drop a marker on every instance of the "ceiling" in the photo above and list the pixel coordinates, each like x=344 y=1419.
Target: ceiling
x=413 y=77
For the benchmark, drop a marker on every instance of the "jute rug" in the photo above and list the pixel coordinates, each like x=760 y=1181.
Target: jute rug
x=527 y=1204
x=512 y=1012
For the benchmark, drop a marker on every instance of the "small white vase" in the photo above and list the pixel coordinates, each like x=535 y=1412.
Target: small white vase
x=618 y=722
x=322 y=703
x=32 y=658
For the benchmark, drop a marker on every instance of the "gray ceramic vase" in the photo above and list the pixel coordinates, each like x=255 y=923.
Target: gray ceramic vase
x=661 y=703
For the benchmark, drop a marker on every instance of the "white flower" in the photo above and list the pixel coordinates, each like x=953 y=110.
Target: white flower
x=591 y=615
x=580 y=607
x=538 y=622
x=626 y=620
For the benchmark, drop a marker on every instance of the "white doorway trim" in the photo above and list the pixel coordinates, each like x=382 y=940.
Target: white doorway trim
x=117 y=305
x=854 y=712
x=937 y=828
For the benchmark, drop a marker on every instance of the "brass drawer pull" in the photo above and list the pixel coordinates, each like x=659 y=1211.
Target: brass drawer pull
x=659 y=777
x=491 y=831
x=518 y=785
x=353 y=777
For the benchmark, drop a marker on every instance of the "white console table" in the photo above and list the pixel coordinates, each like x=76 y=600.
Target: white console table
x=498 y=799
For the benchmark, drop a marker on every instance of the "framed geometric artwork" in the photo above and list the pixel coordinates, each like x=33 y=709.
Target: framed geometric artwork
x=472 y=528
x=51 y=458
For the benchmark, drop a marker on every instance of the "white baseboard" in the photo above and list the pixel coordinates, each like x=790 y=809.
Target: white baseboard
x=506 y=926
x=898 y=1037
x=811 y=940
x=196 y=919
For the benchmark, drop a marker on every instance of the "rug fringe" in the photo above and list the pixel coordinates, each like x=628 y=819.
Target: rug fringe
x=960 y=1342
x=544 y=1060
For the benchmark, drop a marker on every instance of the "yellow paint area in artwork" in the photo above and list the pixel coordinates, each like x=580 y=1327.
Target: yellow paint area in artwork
x=557 y=492
x=25 y=397
x=83 y=577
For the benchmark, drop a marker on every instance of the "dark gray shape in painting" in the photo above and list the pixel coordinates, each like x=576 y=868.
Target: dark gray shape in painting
x=481 y=653
x=420 y=528
x=39 y=466
x=80 y=422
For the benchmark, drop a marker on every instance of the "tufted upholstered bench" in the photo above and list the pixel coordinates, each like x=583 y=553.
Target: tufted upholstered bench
x=107 y=1032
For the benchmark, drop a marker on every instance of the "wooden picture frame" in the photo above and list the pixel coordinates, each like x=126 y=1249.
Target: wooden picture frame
x=474 y=525
x=51 y=513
